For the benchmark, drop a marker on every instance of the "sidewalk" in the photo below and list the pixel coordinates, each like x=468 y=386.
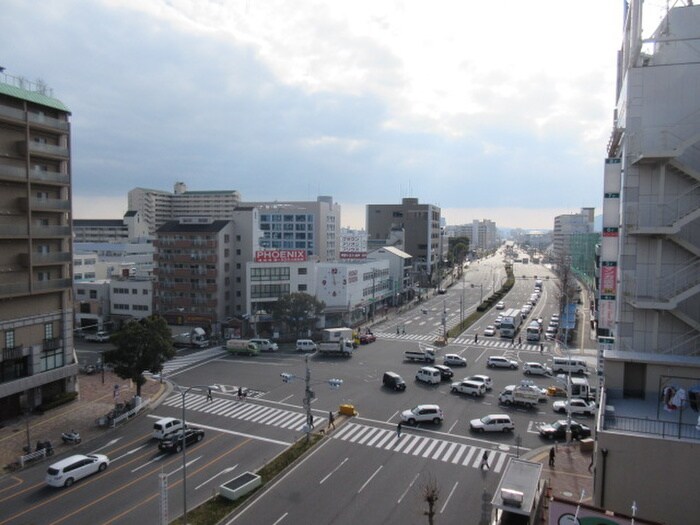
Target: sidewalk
x=95 y=400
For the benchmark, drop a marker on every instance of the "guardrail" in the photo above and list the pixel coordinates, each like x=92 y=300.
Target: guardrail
x=130 y=413
x=33 y=456
x=665 y=429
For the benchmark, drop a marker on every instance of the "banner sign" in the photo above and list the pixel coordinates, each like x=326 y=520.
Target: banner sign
x=264 y=256
x=352 y=255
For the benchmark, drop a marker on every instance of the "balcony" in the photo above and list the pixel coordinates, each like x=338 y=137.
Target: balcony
x=45 y=122
x=12 y=173
x=46 y=232
x=13 y=352
x=49 y=177
x=12 y=114
x=40 y=149
x=52 y=285
x=14 y=289
x=662 y=218
x=14 y=231
x=44 y=259
x=665 y=293
x=58 y=205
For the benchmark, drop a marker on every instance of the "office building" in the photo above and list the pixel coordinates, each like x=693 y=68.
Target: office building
x=36 y=310
x=419 y=227
x=648 y=435
x=567 y=225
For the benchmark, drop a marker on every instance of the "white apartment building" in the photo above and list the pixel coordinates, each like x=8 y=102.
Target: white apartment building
x=130 y=298
x=353 y=243
x=130 y=228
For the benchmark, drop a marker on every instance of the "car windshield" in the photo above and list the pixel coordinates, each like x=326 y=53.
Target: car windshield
x=486 y=420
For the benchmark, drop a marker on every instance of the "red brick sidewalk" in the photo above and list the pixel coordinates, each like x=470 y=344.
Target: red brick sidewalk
x=95 y=400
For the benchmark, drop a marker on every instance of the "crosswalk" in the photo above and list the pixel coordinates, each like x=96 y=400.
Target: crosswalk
x=420 y=446
x=183 y=361
x=245 y=411
x=483 y=342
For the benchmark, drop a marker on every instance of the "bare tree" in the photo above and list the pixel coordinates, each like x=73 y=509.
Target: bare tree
x=566 y=282
x=431 y=494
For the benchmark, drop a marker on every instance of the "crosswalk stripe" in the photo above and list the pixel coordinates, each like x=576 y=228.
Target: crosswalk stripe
x=367 y=435
x=469 y=456
x=439 y=450
x=499 y=463
x=477 y=459
x=388 y=436
x=449 y=451
x=380 y=434
x=413 y=444
x=405 y=440
x=459 y=453
x=430 y=448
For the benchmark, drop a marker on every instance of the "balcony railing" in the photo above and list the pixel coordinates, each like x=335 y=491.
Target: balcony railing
x=50 y=231
x=51 y=284
x=14 y=289
x=46 y=258
x=12 y=352
x=655 y=427
x=12 y=172
x=48 y=122
x=42 y=149
x=49 y=176
x=14 y=230
x=665 y=289
x=48 y=204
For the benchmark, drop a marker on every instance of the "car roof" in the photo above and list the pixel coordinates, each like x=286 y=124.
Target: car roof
x=428 y=406
x=72 y=459
x=493 y=416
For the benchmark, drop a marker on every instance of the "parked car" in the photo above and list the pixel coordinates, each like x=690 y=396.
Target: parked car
x=422 y=414
x=578 y=406
x=305 y=345
x=454 y=360
x=98 y=337
x=492 y=423
x=74 y=468
x=497 y=361
x=537 y=369
x=173 y=443
x=553 y=324
x=490 y=331
x=550 y=333
x=473 y=388
x=265 y=345
x=500 y=305
x=394 y=381
x=555 y=317
x=556 y=391
x=446 y=372
x=557 y=430
x=486 y=380
x=442 y=291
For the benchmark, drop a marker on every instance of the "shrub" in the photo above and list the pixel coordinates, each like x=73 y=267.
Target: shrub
x=57 y=401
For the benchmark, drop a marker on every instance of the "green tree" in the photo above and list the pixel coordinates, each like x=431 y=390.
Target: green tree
x=298 y=311
x=142 y=345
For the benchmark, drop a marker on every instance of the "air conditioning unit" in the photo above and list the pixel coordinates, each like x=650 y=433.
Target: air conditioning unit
x=514 y=498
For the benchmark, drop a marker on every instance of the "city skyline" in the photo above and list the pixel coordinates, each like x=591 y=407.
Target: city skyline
x=461 y=107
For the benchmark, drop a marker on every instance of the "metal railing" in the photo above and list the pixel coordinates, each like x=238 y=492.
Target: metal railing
x=656 y=427
x=130 y=413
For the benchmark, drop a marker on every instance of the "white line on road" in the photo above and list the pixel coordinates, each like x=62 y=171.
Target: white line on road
x=409 y=487
x=109 y=444
x=178 y=469
x=448 y=497
x=452 y=427
x=283 y=400
x=132 y=451
x=370 y=479
x=225 y=471
x=281 y=518
x=333 y=471
x=157 y=458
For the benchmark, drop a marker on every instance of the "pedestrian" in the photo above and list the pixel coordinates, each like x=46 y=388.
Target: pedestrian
x=541 y=348
x=310 y=421
x=520 y=341
x=331 y=420
x=397 y=329
x=552 y=454
x=484 y=461
x=209 y=396
x=403 y=330
x=398 y=430
x=240 y=393
x=476 y=337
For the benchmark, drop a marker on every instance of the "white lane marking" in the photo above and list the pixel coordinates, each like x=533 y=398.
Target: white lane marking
x=448 y=497
x=225 y=471
x=369 y=479
x=109 y=444
x=281 y=518
x=333 y=471
x=154 y=460
x=178 y=469
x=408 y=488
x=132 y=451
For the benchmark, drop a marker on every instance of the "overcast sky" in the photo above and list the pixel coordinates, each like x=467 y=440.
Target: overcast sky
x=489 y=109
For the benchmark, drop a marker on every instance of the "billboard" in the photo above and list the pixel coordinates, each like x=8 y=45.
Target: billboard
x=264 y=256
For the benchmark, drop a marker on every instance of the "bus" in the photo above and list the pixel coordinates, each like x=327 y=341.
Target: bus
x=533 y=331
x=510 y=323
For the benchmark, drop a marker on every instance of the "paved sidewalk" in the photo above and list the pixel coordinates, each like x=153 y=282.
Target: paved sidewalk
x=95 y=400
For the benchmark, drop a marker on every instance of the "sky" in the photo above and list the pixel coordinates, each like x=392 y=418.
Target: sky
x=490 y=110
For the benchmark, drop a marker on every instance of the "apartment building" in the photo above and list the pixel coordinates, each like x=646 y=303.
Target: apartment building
x=36 y=310
x=193 y=265
x=156 y=207
x=648 y=432
x=420 y=228
x=130 y=227
x=565 y=226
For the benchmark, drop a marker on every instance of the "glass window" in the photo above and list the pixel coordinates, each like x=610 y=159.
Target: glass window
x=300 y=218
x=48 y=330
x=9 y=338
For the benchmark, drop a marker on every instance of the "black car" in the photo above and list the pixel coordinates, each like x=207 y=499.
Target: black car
x=557 y=430
x=173 y=443
x=446 y=372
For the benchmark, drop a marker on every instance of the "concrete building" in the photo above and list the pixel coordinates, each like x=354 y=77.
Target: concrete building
x=193 y=262
x=130 y=298
x=130 y=227
x=567 y=225
x=353 y=243
x=102 y=260
x=484 y=235
x=648 y=436
x=312 y=226
x=92 y=305
x=419 y=225
x=156 y=207
x=36 y=310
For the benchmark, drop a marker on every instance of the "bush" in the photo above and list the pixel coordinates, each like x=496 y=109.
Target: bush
x=57 y=401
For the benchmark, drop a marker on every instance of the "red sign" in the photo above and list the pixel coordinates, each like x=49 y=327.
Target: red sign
x=280 y=256
x=353 y=255
x=608 y=278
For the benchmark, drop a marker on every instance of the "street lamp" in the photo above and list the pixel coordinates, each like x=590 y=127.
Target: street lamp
x=308 y=393
x=183 y=392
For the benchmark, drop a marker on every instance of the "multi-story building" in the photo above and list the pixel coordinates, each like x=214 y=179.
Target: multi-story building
x=130 y=227
x=648 y=435
x=353 y=243
x=36 y=315
x=420 y=224
x=193 y=262
x=92 y=305
x=130 y=298
x=484 y=235
x=156 y=207
x=567 y=225
x=312 y=226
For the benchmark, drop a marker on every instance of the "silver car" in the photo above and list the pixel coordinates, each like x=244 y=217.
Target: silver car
x=497 y=361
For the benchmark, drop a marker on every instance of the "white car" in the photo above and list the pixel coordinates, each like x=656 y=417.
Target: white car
x=550 y=333
x=578 y=406
x=492 y=423
x=454 y=360
x=555 y=317
x=73 y=468
x=99 y=337
x=500 y=305
x=486 y=380
x=537 y=369
x=497 y=361
x=527 y=308
x=490 y=331
x=498 y=320
x=422 y=414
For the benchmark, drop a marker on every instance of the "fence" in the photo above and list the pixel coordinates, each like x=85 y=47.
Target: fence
x=130 y=413
x=665 y=429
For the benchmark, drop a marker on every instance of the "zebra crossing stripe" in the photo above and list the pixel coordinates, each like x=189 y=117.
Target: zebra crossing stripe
x=424 y=442
x=413 y=444
x=405 y=440
x=439 y=450
x=261 y=414
x=388 y=436
x=367 y=435
x=447 y=454
x=380 y=434
x=477 y=459
x=499 y=463
x=459 y=453
x=469 y=456
x=431 y=447
x=344 y=430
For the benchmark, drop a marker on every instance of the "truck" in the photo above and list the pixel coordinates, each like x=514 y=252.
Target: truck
x=242 y=346
x=334 y=335
x=195 y=338
x=341 y=348
x=579 y=386
x=522 y=395
x=533 y=331
x=510 y=323
x=426 y=355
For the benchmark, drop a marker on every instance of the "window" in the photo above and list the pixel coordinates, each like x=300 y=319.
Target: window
x=144 y=292
x=301 y=288
x=52 y=359
x=238 y=252
x=121 y=306
x=9 y=338
x=43 y=276
x=48 y=330
x=238 y=238
x=80 y=291
x=301 y=271
x=134 y=291
x=227 y=252
x=226 y=237
x=93 y=294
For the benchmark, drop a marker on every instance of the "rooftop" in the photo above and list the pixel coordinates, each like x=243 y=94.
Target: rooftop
x=37 y=92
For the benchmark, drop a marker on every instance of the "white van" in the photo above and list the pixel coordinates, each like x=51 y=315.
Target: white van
x=166 y=426
x=265 y=345
x=429 y=375
x=566 y=364
x=69 y=470
x=305 y=345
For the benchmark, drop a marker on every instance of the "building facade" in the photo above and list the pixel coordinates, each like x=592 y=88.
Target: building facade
x=649 y=300
x=565 y=226
x=420 y=225
x=130 y=227
x=36 y=310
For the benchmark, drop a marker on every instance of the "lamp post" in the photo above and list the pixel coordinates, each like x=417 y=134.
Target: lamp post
x=308 y=393
x=183 y=392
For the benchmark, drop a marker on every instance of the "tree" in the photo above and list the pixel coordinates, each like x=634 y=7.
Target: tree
x=298 y=311
x=458 y=249
x=431 y=494
x=142 y=345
